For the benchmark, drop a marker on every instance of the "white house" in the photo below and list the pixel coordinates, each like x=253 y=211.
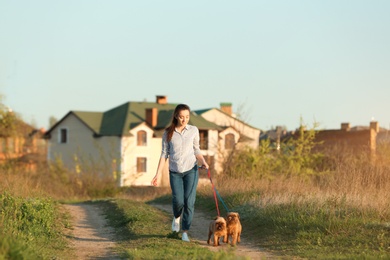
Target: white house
x=234 y=134
x=125 y=141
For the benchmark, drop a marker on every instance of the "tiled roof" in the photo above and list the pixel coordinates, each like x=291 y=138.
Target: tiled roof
x=119 y=120
x=91 y=119
x=202 y=111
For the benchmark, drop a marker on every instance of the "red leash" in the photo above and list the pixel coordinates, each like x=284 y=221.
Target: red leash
x=215 y=194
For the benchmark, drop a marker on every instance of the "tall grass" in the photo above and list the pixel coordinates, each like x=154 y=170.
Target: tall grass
x=55 y=181
x=27 y=226
x=32 y=222
x=342 y=212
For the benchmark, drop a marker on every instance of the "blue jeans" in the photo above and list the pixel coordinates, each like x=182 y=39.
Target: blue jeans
x=183 y=187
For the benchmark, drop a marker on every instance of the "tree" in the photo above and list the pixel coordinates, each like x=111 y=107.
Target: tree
x=52 y=121
x=7 y=120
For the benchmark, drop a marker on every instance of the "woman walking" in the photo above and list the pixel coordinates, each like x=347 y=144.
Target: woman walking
x=180 y=145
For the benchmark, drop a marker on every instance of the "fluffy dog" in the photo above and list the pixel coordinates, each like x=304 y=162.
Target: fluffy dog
x=234 y=227
x=217 y=228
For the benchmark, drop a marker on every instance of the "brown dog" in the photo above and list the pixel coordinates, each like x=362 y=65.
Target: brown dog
x=234 y=227
x=218 y=228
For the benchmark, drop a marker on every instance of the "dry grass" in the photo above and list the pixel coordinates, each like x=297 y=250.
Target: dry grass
x=54 y=181
x=354 y=178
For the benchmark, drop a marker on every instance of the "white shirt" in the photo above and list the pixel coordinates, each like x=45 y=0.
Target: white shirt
x=182 y=149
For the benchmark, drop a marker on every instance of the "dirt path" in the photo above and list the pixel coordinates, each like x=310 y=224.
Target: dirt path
x=91 y=238
x=199 y=234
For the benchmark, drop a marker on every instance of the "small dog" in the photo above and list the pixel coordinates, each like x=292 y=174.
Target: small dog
x=234 y=227
x=218 y=228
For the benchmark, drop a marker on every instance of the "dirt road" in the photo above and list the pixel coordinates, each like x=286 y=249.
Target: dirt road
x=199 y=234
x=93 y=239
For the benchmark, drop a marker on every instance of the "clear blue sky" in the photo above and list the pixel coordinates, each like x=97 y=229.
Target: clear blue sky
x=275 y=61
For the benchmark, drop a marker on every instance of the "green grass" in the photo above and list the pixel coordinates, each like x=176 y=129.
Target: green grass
x=30 y=228
x=144 y=234
x=316 y=230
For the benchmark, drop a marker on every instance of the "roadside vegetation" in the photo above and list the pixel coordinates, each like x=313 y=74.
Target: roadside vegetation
x=334 y=205
x=143 y=233
x=293 y=202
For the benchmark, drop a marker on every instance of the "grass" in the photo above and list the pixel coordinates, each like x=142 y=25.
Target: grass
x=29 y=224
x=343 y=213
x=297 y=218
x=142 y=230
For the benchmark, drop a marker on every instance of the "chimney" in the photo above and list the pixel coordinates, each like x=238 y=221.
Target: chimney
x=151 y=116
x=161 y=99
x=374 y=129
x=345 y=126
x=374 y=125
x=227 y=108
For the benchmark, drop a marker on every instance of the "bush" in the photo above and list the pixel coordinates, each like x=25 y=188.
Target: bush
x=26 y=224
x=295 y=156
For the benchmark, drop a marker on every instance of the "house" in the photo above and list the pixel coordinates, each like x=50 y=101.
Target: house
x=21 y=143
x=345 y=139
x=358 y=138
x=125 y=141
x=233 y=128
x=235 y=133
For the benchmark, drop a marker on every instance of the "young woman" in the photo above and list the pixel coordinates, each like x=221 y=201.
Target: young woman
x=180 y=144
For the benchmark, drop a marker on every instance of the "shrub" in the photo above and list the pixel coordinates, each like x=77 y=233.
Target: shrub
x=26 y=224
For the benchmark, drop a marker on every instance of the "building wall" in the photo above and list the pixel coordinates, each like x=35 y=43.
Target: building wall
x=221 y=119
x=83 y=152
x=363 y=140
x=151 y=152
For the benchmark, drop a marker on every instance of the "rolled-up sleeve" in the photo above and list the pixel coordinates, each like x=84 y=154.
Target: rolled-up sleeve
x=196 y=142
x=164 y=149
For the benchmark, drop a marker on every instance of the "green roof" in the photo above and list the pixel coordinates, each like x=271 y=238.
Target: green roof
x=119 y=120
x=201 y=111
x=91 y=119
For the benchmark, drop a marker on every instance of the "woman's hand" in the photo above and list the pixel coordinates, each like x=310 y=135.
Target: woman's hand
x=154 y=181
x=204 y=166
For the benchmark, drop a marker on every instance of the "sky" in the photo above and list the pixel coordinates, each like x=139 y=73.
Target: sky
x=278 y=62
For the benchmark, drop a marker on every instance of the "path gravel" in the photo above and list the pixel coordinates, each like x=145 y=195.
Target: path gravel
x=199 y=234
x=92 y=238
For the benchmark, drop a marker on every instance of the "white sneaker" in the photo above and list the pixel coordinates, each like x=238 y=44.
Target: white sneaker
x=184 y=237
x=176 y=224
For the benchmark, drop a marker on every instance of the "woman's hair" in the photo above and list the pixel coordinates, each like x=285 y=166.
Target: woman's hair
x=174 y=122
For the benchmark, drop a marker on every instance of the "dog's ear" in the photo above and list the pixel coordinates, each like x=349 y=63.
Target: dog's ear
x=216 y=218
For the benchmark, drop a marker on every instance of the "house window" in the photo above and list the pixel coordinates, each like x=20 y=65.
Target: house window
x=141 y=138
x=141 y=164
x=63 y=136
x=204 y=138
x=229 y=141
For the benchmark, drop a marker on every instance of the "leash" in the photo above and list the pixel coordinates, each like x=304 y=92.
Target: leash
x=216 y=193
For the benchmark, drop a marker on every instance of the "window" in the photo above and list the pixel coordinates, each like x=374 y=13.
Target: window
x=141 y=138
x=63 y=135
x=203 y=142
x=229 y=141
x=141 y=164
